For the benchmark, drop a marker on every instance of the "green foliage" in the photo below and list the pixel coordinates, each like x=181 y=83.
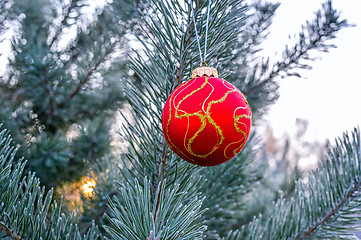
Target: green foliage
x=105 y=172
x=26 y=210
x=4 y=10
x=326 y=206
x=255 y=77
x=169 y=54
x=58 y=96
x=168 y=39
x=225 y=188
x=53 y=154
x=139 y=215
x=64 y=74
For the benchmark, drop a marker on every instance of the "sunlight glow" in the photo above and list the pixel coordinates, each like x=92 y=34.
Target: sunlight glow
x=88 y=187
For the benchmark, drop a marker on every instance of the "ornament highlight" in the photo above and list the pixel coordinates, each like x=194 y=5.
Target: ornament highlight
x=206 y=120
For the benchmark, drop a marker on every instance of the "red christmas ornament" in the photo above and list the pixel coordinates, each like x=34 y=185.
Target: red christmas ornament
x=206 y=120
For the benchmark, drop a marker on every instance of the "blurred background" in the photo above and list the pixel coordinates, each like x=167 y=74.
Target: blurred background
x=325 y=101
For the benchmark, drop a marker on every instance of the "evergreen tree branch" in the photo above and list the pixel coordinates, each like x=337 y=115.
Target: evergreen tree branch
x=169 y=55
x=134 y=214
x=189 y=37
x=226 y=188
x=283 y=67
x=154 y=31
x=66 y=14
x=87 y=76
x=100 y=214
x=331 y=215
x=179 y=76
x=166 y=54
x=49 y=92
x=9 y=232
x=26 y=211
x=313 y=36
x=323 y=208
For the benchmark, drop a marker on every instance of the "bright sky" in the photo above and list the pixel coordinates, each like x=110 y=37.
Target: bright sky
x=329 y=95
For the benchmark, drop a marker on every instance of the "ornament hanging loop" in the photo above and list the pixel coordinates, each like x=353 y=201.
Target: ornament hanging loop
x=205 y=40
x=203 y=59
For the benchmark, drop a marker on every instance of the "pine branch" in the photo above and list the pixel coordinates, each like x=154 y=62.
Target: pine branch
x=66 y=14
x=87 y=76
x=49 y=92
x=9 y=232
x=226 y=188
x=154 y=31
x=177 y=81
x=169 y=55
x=134 y=214
x=182 y=61
x=100 y=214
x=332 y=214
x=324 y=208
x=313 y=36
x=161 y=68
x=26 y=212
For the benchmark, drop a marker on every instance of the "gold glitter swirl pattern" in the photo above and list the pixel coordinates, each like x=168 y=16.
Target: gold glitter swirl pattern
x=204 y=115
x=203 y=118
x=236 y=121
x=183 y=155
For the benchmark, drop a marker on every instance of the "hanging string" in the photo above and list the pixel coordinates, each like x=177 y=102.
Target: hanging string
x=203 y=59
x=195 y=27
x=205 y=41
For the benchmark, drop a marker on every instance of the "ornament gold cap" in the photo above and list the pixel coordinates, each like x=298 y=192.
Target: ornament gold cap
x=204 y=71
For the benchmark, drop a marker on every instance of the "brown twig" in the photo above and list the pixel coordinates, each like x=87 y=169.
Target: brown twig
x=329 y=216
x=100 y=214
x=87 y=76
x=158 y=200
x=177 y=80
x=49 y=92
x=9 y=232
x=161 y=179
